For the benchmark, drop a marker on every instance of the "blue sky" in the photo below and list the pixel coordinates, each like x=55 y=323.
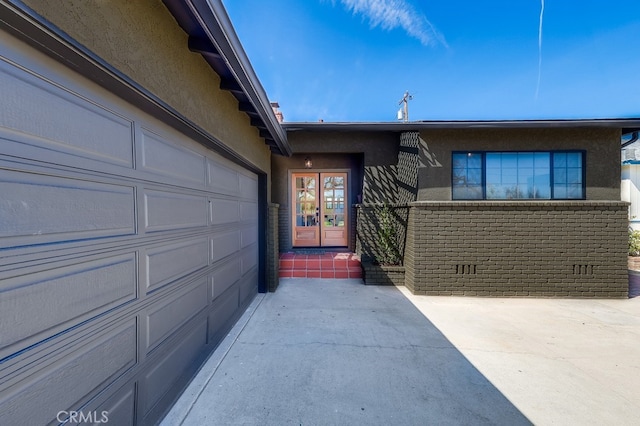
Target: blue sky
x=352 y=60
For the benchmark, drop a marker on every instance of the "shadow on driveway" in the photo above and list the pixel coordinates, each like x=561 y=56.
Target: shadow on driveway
x=336 y=352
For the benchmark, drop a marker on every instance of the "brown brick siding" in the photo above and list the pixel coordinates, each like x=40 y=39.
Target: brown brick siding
x=544 y=249
x=284 y=224
x=383 y=275
x=273 y=252
x=409 y=252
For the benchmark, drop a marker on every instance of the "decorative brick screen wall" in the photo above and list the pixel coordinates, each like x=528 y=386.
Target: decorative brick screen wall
x=543 y=249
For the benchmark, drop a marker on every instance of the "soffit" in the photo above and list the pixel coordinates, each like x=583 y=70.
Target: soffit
x=625 y=125
x=23 y=23
x=211 y=34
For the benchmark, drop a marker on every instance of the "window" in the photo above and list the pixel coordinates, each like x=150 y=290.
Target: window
x=467 y=176
x=518 y=175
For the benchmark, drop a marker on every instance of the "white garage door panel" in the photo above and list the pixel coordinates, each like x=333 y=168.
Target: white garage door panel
x=169 y=315
x=61 y=119
x=169 y=210
x=125 y=247
x=172 y=261
x=224 y=211
x=248 y=211
x=249 y=258
x=249 y=236
x=60 y=388
x=168 y=159
x=248 y=187
x=222 y=179
x=223 y=245
x=120 y=407
x=47 y=208
x=224 y=277
x=223 y=308
x=36 y=304
x=247 y=287
x=167 y=370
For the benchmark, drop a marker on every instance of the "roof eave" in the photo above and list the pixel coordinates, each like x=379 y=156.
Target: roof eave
x=625 y=124
x=212 y=35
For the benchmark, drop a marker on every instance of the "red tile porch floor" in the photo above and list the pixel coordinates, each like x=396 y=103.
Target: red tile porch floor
x=324 y=265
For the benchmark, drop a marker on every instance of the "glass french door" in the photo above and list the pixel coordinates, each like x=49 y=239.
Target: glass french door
x=320 y=211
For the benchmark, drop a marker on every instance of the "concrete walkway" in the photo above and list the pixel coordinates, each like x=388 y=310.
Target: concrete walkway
x=336 y=352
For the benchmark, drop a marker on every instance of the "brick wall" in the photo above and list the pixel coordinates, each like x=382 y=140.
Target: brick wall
x=284 y=225
x=410 y=248
x=353 y=227
x=383 y=275
x=273 y=252
x=408 y=165
x=548 y=249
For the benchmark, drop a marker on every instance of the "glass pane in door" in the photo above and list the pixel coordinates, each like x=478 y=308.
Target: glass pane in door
x=333 y=224
x=305 y=210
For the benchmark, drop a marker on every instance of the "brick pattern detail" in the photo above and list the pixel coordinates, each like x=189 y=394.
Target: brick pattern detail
x=383 y=275
x=284 y=224
x=272 y=248
x=353 y=230
x=542 y=249
x=408 y=165
x=410 y=247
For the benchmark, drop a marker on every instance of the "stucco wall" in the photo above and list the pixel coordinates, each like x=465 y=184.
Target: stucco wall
x=281 y=168
x=143 y=41
x=371 y=157
x=602 y=155
x=379 y=152
x=379 y=147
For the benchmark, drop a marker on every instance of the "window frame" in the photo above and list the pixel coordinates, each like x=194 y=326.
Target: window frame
x=551 y=174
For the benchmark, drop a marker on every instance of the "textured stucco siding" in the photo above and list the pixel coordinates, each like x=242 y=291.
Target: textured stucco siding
x=602 y=148
x=378 y=152
x=142 y=40
x=322 y=161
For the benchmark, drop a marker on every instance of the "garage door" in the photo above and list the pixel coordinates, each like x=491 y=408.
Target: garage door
x=126 y=250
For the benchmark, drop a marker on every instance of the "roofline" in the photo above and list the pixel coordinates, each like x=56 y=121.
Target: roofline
x=25 y=24
x=222 y=49
x=627 y=125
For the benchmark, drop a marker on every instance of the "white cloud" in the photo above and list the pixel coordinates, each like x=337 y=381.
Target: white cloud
x=391 y=14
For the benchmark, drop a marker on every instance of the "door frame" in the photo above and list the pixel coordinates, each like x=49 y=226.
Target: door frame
x=347 y=203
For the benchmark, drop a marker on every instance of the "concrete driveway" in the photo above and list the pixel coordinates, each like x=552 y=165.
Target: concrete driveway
x=336 y=352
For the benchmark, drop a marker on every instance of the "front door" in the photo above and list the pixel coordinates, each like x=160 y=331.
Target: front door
x=320 y=215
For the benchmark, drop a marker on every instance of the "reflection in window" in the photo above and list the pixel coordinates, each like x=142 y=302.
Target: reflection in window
x=467 y=176
x=306 y=201
x=567 y=175
x=333 y=201
x=517 y=175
